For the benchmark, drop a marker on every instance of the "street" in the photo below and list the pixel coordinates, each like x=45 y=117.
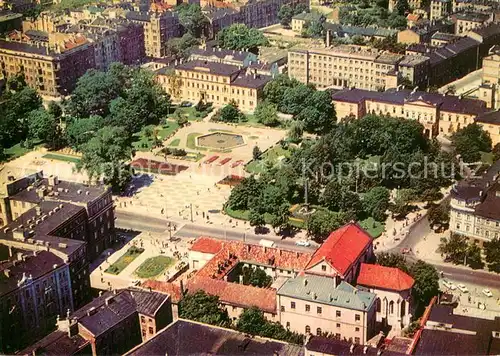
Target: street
x=127 y=220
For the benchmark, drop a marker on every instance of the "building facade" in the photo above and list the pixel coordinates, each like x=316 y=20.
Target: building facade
x=35 y=287
x=315 y=304
x=438 y=114
x=217 y=83
x=439 y=9
x=474 y=207
x=348 y=66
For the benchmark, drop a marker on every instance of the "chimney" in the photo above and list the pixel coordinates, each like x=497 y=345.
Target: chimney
x=53 y=180
x=100 y=293
x=181 y=285
x=6 y=272
x=305 y=281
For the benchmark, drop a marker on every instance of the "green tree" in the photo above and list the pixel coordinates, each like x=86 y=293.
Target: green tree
x=439 y=215
x=318 y=114
x=496 y=152
x=296 y=131
x=392 y=260
x=474 y=258
x=321 y=223
x=252 y=321
x=229 y=113
x=178 y=47
x=93 y=93
x=243 y=196
x=426 y=281
x=55 y=109
x=401 y=205
x=454 y=247
x=43 y=126
x=275 y=89
x=16 y=82
x=280 y=216
x=376 y=202
x=285 y=15
x=295 y=99
x=125 y=113
x=238 y=37
x=267 y=113
x=204 y=308
x=79 y=131
x=492 y=252
x=470 y=141
x=104 y=156
x=256 y=219
x=402 y=7
x=192 y=19
x=315 y=27
x=256 y=152
x=256 y=277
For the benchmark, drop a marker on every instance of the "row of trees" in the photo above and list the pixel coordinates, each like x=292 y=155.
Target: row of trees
x=460 y=250
x=206 y=308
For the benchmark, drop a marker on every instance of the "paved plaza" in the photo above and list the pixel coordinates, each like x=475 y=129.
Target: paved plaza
x=153 y=245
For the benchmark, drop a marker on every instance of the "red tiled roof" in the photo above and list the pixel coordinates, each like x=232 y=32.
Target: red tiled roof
x=236 y=294
x=378 y=276
x=342 y=248
x=233 y=252
x=174 y=290
x=207 y=245
x=413 y=17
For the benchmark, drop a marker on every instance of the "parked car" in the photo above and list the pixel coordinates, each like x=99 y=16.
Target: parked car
x=487 y=293
x=405 y=250
x=186 y=104
x=449 y=285
x=304 y=243
x=462 y=288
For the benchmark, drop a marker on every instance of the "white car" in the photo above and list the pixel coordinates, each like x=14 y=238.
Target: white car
x=304 y=243
x=449 y=285
x=487 y=293
x=462 y=288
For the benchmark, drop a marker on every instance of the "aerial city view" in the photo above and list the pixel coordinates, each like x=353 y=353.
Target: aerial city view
x=261 y=177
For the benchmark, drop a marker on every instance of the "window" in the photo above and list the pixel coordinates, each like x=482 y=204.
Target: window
x=391 y=307
x=308 y=308
x=143 y=319
x=319 y=310
x=288 y=325
x=356 y=329
x=338 y=325
x=338 y=314
x=151 y=330
x=282 y=308
x=292 y=305
x=318 y=332
x=308 y=329
x=323 y=268
x=357 y=340
x=337 y=336
x=357 y=317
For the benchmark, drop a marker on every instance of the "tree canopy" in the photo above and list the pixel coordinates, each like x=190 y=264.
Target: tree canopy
x=204 y=308
x=229 y=114
x=470 y=141
x=492 y=252
x=192 y=19
x=240 y=37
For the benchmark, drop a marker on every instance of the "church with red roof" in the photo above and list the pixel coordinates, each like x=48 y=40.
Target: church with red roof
x=393 y=289
x=342 y=253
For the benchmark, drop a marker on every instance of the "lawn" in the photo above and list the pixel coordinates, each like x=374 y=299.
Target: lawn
x=154 y=266
x=131 y=254
x=372 y=226
x=144 y=142
x=61 y=157
x=487 y=157
x=175 y=142
x=18 y=151
x=190 y=113
x=271 y=155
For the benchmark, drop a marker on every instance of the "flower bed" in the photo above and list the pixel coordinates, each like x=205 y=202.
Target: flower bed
x=224 y=161
x=211 y=159
x=236 y=164
x=231 y=180
x=150 y=166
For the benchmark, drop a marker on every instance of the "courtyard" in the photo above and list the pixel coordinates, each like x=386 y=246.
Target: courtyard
x=145 y=256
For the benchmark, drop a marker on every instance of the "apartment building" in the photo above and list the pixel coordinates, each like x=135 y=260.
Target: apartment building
x=35 y=287
x=439 y=9
x=51 y=68
x=112 y=323
x=489 y=89
x=423 y=32
x=393 y=288
x=315 y=304
x=474 y=207
x=469 y=21
x=213 y=82
x=439 y=114
x=344 y=66
x=158 y=27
